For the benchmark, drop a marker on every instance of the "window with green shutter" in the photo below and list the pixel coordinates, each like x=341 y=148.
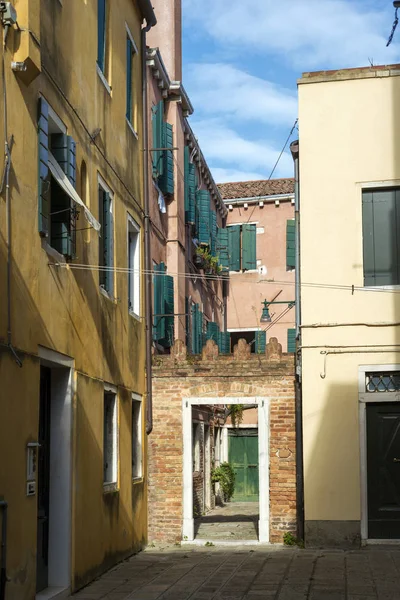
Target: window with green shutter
x=197 y=329
x=291 y=340
x=157 y=120
x=166 y=179
x=234 y=247
x=222 y=248
x=260 y=342
x=290 y=244
x=203 y=205
x=248 y=247
x=224 y=343
x=212 y=331
x=213 y=233
x=131 y=53
x=381 y=236
x=163 y=307
x=106 y=259
x=102 y=34
x=44 y=173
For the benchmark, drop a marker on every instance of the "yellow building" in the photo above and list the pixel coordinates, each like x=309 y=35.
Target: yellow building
x=72 y=317
x=350 y=307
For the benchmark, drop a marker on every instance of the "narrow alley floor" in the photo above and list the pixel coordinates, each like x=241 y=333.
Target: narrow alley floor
x=244 y=573
x=233 y=521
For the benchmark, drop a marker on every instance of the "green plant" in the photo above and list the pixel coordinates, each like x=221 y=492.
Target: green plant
x=209 y=544
x=225 y=476
x=208 y=261
x=236 y=413
x=289 y=539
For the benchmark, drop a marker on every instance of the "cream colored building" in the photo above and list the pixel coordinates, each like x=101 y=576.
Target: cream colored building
x=350 y=307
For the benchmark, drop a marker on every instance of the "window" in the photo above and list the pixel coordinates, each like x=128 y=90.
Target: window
x=136 y=436
x=134 y=266
x=242 y=247
x=163 y=307
x=381 y=236
x=106 y=249
x=163 y=160
x=57 y=182
x=382 y=382
x=131 y=90
x=290 y=244
x=110 y=437
x=102 y=35
x=291 y=340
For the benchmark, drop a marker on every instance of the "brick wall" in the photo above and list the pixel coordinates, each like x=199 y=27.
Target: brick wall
x=238 y=375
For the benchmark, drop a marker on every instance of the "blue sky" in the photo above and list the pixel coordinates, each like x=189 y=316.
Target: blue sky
x=242 y=59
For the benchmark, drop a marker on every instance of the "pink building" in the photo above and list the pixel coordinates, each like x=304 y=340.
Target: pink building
x=260 y=227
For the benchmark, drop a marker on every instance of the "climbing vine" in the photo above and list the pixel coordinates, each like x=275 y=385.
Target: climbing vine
x=236 y=414
x=225 y=476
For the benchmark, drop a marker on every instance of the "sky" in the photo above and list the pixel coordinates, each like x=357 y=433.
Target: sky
x=241 y=62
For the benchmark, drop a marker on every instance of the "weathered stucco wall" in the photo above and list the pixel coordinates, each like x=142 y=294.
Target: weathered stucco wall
x=61 y=308
x=239 y=375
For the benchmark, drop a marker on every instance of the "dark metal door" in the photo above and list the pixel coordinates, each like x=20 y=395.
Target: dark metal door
x=383 y=470
x=43 y=482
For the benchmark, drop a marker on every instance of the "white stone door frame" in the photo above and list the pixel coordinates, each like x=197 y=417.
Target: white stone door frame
x=263 y=460
x=363 y=399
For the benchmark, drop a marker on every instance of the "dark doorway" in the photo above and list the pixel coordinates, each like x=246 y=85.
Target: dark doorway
x=383 y=470
x=43 y=488
x=243 y=456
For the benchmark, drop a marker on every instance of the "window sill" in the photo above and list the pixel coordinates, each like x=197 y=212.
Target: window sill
x=110 y=487
x=134 y=315
x=136 y=480
x=132 y=128
x=103 y=79
x=381 y=287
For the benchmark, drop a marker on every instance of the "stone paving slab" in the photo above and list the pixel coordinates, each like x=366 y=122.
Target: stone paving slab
x=251 y=573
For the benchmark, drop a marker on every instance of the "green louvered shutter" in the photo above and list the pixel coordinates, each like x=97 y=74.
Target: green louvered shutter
x=168 y=309
x=63 y=208
x=197 y=329
x=291 y=340
x=234 y=247
x=260 y=342
x=290 y=244
x=191 y=211
x=166 y=180
x=213 y=232
x=44 y=174
x=200 y=333
x=222 y=247
x=157 y=121
x=248 y=247
x=158 y=287
x=224 y=344
x=212 y=332
x=107 y=230
x=129 y=56
x=186 y=182
x=187 y=322
x=101 y=33
x=203 y=204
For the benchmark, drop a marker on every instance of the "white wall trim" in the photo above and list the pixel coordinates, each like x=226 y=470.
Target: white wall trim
x=56 y=358
x=263 y=460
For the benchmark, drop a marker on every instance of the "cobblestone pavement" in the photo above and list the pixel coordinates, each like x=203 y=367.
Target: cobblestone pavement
x=233 y=521
x=243 y=573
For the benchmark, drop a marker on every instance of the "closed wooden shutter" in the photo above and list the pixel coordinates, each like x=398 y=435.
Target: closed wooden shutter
x=291 y=340
x=212 y=332
x=44 y=174
x=234 y=247
x=168 y=309
x=224 y=344
x=222 y=247
x=107 y=233
x=197 y=329
x=158 y=308
x=260 y=342
x=213 y=233
x=166 y=179
x=191 y=212
x=248 y=247
x=186 y=182
x=203 y=204
x=290 y=244
x=157 y=120
x=129 y=53
x=101 y=33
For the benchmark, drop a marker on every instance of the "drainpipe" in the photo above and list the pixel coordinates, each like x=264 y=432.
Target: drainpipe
x=147 y=245
x=3 y=575
x=294 y=148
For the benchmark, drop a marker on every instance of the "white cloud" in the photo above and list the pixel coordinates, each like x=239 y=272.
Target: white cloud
x=221 y=88
x=222 y=175
x=225 y=149
x=309 y=34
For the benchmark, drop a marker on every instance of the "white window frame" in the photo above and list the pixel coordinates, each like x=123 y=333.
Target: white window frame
x=137 y=438
x=112 y=485
x=134 y=278
x=135 y=51
x=101 y=182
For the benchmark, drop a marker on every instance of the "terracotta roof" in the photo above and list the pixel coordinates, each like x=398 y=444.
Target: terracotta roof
x=253 y=189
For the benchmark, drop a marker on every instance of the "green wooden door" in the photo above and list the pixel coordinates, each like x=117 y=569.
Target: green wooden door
x=243 y=456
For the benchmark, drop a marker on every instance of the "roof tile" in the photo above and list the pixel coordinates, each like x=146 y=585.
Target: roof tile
x=253 y=189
